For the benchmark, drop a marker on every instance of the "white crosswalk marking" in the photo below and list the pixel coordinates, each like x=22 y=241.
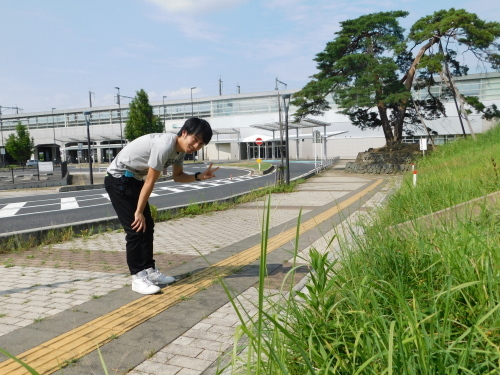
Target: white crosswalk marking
x=11 y=209
x=69 y=203
x=209 y=183
x=106 y=195
x=175 y=190
x=191 y=186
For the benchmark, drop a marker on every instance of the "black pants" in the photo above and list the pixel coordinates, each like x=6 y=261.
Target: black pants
x=124 y=195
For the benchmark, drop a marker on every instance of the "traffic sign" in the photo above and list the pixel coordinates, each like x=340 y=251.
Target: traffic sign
x=423 y=144
x=316 y=136
x=259 y=141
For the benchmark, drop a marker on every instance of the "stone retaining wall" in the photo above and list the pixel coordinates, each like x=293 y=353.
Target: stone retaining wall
x=385 y=168
x=381 y=162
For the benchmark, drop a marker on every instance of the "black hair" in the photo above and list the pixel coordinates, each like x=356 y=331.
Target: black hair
x=199 y=127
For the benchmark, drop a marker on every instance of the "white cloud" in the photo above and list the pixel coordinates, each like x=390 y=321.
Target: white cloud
x=188 y=16
x=196 y=28
x=194 y=7
x=182 y=92
x=186 y=62
x=137 y=44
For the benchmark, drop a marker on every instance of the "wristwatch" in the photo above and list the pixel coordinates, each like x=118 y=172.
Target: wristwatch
x=196 y=176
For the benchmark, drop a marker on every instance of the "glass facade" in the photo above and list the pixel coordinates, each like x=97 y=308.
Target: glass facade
x=486 y=88
x=482 y=88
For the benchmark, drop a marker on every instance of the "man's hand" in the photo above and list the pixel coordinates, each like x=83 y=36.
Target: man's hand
x=139 y=223
x=209 y=173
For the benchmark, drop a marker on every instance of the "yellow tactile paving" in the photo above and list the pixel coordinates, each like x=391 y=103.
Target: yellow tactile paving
x=51 y=355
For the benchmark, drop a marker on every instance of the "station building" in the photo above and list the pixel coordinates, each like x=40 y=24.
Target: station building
x=238 y=120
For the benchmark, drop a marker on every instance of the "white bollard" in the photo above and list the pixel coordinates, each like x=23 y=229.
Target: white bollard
x=414 y=178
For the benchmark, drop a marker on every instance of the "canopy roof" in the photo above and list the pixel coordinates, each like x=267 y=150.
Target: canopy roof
x=305 y=123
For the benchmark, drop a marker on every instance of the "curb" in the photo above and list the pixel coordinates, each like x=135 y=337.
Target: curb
x=36 y=236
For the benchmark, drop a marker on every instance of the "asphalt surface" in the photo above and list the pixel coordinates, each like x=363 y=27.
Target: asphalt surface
x=24 y=211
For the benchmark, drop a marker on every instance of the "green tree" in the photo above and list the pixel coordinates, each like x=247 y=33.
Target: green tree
x=442 y=35
x=19 y=145
x=370 y=72
x=141 y=119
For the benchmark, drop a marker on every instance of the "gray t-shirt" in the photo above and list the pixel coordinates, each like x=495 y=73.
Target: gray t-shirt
x=156 y=150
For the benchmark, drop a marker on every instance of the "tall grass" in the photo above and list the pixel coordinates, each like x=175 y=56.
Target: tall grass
x=454 y=173
x=419 y=301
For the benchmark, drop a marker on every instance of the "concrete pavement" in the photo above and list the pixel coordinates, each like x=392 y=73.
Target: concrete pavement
x=54 y=296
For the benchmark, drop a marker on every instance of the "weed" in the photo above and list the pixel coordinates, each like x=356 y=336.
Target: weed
x=69 y=362
x=421 y=300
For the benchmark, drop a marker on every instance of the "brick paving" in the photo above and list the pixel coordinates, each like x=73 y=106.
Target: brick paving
x=84 y=259
x=43 y=282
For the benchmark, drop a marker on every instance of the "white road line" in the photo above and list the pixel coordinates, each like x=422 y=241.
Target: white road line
x=175 y=190
x=209 y=183
x=106 y=195
x=191 y=186
x=11 y=209
x=69 y=203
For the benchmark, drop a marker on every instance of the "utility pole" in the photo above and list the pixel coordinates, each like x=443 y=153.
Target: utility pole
x=220 y=85
x=164 y=120
x=278 y=81
x=192 y=112
x=88 y=117
x=120 y=116
x=90 y=98
x=237 y=88
x=54 y=132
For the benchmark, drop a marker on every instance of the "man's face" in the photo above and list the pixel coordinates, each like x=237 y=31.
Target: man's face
x=190 y=143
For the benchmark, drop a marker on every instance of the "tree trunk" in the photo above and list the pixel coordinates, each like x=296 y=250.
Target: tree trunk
x=407 y=80
x=386 y=124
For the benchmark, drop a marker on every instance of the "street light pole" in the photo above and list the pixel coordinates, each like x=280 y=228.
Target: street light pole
x=120 y=116
x=192 y=112
x=88 y=115
x=2 y=150
x=54 y=131
x=164 y=121
x=286 y=103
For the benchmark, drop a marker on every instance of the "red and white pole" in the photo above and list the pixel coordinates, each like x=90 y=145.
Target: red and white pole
x=414 y=178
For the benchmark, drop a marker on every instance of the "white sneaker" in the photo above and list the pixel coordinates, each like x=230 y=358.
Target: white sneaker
x=157 y=278
x=141 y=284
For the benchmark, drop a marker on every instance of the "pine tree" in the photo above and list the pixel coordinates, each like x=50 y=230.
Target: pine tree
x=370 y=72
x=141 y=119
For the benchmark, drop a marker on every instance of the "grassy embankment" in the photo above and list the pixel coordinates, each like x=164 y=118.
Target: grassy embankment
x=424 y=300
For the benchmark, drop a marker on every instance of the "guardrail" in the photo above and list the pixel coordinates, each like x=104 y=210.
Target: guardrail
x=319 y=167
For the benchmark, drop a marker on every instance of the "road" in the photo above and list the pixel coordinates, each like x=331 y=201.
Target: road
x=40 y=211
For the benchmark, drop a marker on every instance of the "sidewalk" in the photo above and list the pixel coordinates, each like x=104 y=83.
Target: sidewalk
x=58 y=303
